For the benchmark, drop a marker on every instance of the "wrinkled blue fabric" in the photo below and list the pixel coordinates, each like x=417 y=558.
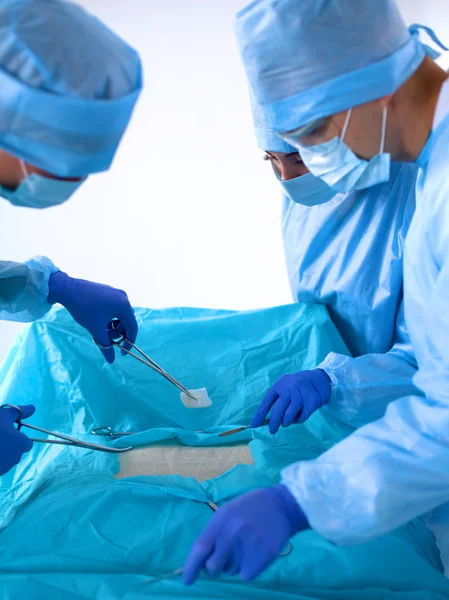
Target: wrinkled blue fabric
x=229 y=353
x=404 y=456
x=65 y=104
x=140 y=524
x=74 y=532
x=24 y=289
x=348 y=255
x=302 y=65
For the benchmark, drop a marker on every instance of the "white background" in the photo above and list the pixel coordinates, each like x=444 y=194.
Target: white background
x=189 y=214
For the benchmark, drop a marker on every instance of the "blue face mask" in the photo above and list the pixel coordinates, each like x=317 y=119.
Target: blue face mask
x=307 y=190
x=337 y=165
x=36 y=191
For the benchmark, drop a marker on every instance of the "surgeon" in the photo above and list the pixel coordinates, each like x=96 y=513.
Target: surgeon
x=351 y=104
x=361 y=285
x=68 y=88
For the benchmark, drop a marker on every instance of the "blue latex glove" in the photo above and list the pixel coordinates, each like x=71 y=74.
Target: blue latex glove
x=94 y=306
x=246 y=535
x=293 y=398
x=13 y=443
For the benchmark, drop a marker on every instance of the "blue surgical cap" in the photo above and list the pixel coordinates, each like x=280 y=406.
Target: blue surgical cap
x=68 y=86
x=307 y=59
x=266 y=137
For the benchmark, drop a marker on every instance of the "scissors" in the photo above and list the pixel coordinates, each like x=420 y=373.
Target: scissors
x=64 y=440
x=146 y=360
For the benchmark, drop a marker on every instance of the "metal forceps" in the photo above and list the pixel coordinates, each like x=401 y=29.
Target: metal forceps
x=64 y=440
x=146 y=360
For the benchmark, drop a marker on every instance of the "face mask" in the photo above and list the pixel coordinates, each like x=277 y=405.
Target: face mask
x=307 y=190
x=337 y=165
x=36 y=191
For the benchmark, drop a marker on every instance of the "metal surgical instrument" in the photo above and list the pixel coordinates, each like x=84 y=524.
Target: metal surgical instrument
x=108 y=432
x=239 y=429
x=63 y=439
x=146 y=360
x=170 y=575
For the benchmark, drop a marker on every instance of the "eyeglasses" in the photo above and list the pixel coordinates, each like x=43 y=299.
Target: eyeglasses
x=296 y=136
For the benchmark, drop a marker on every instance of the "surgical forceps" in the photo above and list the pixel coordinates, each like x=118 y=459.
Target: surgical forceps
x=64 y=440
x=146 y=360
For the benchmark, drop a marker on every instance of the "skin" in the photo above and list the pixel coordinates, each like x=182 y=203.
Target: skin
x=411 y=111
x=11 y=173
x=287 y=166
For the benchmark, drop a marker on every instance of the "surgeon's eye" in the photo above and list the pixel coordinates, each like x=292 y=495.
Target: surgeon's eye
x=267 y=157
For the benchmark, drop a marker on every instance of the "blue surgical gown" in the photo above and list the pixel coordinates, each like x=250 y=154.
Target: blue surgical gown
x=24 y=289
x=348 y=255
x=397 y=467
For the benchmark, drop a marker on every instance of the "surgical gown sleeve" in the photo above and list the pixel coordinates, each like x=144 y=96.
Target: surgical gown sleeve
x=24 y=289
x=396 y=468
x=363 y=387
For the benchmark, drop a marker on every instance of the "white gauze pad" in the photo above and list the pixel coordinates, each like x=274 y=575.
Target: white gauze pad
x=202 y=399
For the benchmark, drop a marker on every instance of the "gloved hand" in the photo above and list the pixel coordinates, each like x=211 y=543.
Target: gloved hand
x=246 y=535
x=13 y=443
x=293 y=399
x=93 y=306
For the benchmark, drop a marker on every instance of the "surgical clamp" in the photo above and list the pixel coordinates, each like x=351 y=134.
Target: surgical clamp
x=63 y=439
x=146 y=360
x=108 y=432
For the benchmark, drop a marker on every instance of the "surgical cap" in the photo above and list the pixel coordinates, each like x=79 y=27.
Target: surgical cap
x=307 y=59
x=266 y=137
x=68 y=86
